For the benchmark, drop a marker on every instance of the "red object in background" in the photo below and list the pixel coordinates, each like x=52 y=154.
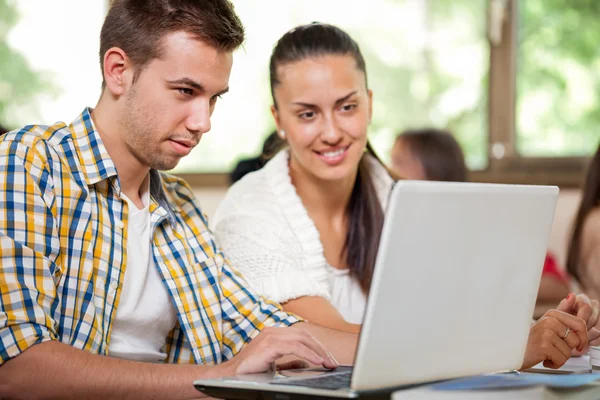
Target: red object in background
x=552 y=269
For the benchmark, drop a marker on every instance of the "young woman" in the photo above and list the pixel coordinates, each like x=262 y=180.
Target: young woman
x=583 y=260
x=304 y=230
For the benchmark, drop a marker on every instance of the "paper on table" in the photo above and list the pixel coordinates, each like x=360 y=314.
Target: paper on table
x=575 y=365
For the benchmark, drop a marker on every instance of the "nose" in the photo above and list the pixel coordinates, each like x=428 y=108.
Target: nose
x=331 y=134
x=198 y=120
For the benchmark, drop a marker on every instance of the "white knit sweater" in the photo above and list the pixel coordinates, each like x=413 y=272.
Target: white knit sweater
x=267 y=234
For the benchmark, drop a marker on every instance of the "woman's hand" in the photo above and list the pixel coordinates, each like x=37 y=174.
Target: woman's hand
x=552 y=339
x=583 y=307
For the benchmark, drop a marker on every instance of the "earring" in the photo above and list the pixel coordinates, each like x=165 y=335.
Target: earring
x=282 y=134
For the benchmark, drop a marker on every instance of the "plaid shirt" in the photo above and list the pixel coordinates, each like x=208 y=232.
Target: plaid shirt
x=63 y=258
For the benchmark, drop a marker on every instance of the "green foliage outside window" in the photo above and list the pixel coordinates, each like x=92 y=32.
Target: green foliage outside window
x=19 y=84
x=558 y=81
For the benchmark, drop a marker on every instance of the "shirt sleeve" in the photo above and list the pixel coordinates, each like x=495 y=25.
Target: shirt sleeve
x=29 y=246
x=551 y=269
x=245 y=313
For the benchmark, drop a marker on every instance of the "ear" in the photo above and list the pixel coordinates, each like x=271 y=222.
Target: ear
x=275 y=114
x=118 y=71
x=370 y=93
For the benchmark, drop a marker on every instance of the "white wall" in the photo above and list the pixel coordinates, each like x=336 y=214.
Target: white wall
x=568 y=201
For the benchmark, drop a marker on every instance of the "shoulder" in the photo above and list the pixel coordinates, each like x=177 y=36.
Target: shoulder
x=176 y=186
x=180 y=195
x=36 y=146
x=35 y=136
x=257 y=193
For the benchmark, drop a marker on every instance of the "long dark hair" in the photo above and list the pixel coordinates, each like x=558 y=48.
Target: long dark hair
x=439 y=153
x=364 y=211
x=590 y=200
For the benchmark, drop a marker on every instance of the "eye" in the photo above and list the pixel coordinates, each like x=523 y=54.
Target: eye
x=213 y=100
x=307 y=115
x=349 y=107
x=186 y=91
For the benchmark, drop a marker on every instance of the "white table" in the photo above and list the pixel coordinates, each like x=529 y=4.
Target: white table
x=591 y=392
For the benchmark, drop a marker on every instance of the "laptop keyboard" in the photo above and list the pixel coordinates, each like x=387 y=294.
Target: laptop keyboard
x=327 y=381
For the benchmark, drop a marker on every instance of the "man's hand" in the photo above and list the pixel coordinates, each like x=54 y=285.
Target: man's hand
x=273 y=343
x=553 y=338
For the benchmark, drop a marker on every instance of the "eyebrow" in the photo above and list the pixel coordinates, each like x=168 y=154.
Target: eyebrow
x=338 y=101
x=196 y=85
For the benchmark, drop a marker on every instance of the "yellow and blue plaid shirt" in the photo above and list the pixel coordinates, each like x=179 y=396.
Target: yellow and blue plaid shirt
x=63 y=258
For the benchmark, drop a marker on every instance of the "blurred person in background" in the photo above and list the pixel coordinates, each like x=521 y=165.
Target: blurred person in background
x=428 y=154
x=583 y=260
x=435 y=155
x=270 y=146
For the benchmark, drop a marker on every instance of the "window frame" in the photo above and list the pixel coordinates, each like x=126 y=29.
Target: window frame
x=513 y=167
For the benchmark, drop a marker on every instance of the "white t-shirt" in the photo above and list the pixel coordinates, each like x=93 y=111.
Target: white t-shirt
x=346 y=295
x=145 y=314
x=266 y=233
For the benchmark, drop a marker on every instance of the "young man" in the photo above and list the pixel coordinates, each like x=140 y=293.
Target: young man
x=109 y=273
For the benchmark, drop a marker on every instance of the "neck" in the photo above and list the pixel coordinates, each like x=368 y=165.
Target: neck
x=323 y=198
x=131 y=171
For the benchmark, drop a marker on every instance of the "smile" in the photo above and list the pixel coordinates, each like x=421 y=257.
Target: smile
x=334 y=156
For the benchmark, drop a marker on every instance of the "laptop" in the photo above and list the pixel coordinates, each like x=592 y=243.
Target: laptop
x=453 y=294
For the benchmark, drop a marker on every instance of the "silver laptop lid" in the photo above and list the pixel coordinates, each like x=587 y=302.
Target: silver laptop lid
x=455 y=283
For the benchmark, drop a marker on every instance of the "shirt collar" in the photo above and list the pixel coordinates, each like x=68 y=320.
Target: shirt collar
x=96 y=164
x=94 y=160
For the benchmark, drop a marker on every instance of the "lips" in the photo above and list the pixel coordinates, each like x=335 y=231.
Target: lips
x=333 y=152
x=333 y=156
x=182 y=147
x=184 y=142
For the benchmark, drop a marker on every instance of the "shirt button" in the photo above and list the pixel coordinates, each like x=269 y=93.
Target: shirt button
x=120 y=224
x=114 y=285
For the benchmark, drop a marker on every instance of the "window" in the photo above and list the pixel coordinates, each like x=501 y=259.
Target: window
x=52 y=69
x=536 y=137
x=558 y=78
x=427 y=63
x=524 y=105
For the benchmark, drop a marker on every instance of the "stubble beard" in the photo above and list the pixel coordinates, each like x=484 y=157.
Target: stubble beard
x=143 y=141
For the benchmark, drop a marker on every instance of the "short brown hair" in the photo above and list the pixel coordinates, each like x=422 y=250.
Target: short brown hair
x=439 y=153
x=138 y=26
